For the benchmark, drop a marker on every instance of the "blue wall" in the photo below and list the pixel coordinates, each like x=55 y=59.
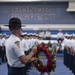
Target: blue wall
x=37 y=13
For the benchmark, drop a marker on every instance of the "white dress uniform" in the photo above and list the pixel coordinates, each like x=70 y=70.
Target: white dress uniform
x=60 y=35
x=69 y=43
x=48 y=35
x=31 y=42
x=0 y=42
x=64 y=42
x=73 y=44
x=0 y=51
x=3 y=41
x=13 y=51
x=25 y=44
x=41 y=34
x=3 y=49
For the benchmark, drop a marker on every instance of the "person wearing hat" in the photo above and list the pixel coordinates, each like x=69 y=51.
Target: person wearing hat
x=16 y=58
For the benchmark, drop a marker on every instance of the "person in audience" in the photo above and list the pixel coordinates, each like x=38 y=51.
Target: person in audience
x=16 y=58
x=49 y=44
x=54 y=47
x=41 y=34
x=60 y=36
x=48 y=34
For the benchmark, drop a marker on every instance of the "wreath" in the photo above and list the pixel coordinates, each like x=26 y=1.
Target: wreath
x=51 y=59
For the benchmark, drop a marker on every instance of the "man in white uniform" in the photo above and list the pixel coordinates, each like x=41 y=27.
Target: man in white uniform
x=14 y=51
x=60 y=36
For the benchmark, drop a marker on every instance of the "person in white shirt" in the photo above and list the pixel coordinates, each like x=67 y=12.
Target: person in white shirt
x=60 y=36
x=41 y=34
x=3 y=47
x=16 y=58
x=48 y=34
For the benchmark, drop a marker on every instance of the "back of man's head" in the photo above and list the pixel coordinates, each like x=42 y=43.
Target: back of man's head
x=14 y=23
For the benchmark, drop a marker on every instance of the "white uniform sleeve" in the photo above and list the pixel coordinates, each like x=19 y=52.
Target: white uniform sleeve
x=18 y=50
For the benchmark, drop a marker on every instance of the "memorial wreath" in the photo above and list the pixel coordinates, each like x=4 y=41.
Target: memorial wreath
x=51 y=59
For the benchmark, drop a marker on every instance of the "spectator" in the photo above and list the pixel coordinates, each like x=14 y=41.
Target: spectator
x=60 y=36
x=48 y=35
x=41 y=34
x=54 y=47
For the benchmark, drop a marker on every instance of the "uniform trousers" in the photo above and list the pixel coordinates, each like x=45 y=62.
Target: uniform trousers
x=4 y=55
x=28 y=64
x=65 y=52
x=16 y=71
x=74 y=65
x=60 y=39
x=47 y=38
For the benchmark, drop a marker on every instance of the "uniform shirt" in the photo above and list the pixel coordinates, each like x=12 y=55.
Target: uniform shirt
x=25 y=44
x=60 y=35
x=41 y=34
x=31 y=42
x=48 y=34
x=3 y=41
x=0 y=42
x=68 y=43
x=73 y=44
x=14 y=51
x=65 y=41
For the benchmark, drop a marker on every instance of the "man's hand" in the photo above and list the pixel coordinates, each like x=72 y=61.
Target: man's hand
x=34 y=49
x=33 y=59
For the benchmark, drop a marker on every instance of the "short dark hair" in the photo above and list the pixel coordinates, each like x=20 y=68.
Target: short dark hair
x=14 y=23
